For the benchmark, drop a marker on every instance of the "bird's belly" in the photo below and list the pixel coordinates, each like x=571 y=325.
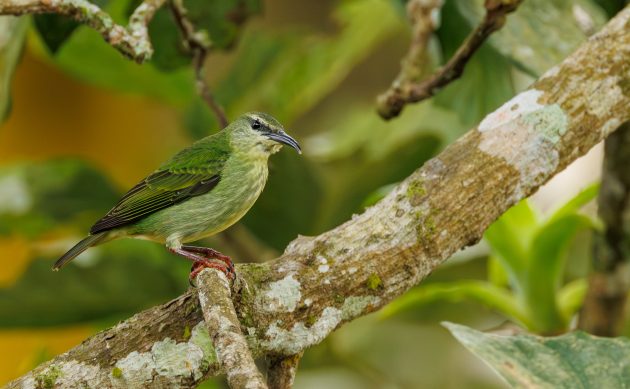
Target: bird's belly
x=207 y=214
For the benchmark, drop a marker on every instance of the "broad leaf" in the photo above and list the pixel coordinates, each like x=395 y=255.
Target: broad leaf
x=12 y=32
x=55 y=29
x=541 y=33
x=509 y=238
x=575 y=360
x=487 y=79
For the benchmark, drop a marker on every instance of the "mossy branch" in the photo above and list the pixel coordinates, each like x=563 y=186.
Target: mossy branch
x=132 y=41
x=291 y=303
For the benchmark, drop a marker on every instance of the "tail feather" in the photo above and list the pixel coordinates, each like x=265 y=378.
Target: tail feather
x=78 y=248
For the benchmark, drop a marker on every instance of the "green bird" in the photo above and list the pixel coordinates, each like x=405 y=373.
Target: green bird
x=202 y=190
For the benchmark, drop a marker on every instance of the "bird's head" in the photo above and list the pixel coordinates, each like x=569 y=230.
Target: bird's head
x=261 y=133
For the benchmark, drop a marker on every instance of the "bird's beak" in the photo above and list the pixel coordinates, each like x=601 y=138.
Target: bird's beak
x=284 y=138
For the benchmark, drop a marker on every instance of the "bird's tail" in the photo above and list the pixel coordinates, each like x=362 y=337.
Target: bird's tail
x=78 y=248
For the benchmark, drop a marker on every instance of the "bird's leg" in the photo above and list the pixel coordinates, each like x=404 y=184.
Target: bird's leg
x=200 y=262
x=211 y=254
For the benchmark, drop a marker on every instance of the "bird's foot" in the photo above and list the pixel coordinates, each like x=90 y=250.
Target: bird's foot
x=202 y=258
x=209 y=253
x=198 y=266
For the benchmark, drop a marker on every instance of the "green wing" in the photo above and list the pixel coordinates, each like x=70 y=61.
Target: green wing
x=192 y=172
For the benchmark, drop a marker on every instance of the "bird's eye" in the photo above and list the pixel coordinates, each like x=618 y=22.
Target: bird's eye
x=256 y=125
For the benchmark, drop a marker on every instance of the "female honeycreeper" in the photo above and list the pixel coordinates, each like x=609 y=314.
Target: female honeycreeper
x=202 y=190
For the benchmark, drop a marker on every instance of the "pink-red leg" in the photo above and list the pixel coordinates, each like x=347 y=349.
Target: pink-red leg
x=201 y=262
x=211 y=254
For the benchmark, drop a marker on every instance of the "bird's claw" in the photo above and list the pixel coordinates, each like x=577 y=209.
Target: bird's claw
x=224 y=267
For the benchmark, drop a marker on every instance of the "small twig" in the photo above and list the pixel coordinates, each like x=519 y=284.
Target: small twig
x=225 y=329
x=282 y=371
x=198 y=44
x=604 y=307
x=423 y=17
x=393 y=101
x=133 y=41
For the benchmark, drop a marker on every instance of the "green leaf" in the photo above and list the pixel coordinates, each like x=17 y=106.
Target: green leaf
x=541 y=33
x=575 y=360
x=169 y=52
x=570 y=298
x=114 y=280
x=487 y=79
x=55 y=29
x=35 y=198
x=509 y=238
x=312 y=65
x=221 y=19
x=547 y=263
x=12 y=33
x=584 y=197
x=493 y=297
x=106 y=67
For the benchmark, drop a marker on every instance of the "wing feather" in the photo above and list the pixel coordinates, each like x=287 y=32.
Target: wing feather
x=192 y=172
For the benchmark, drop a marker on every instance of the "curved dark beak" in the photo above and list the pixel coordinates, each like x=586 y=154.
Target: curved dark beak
x=284 y=138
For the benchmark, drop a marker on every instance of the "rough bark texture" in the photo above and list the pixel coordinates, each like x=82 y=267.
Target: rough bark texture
x=133 y=40
x=319 y=283
x=224 y=328
x=603 y=310
x=282 y=371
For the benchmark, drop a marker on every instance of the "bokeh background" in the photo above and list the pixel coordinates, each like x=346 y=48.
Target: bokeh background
x=85 y=124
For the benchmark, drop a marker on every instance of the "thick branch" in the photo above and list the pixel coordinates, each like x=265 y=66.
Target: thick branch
x=321 y=282
x=392 y=102
x=225 y=329
x=133 y=40
x=282 y=371
x=603 y=311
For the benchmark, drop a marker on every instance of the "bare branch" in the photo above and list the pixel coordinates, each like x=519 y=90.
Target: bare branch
x=319 y=283
x=604 y=306
x=423 y=15
x=198 y=44
x=133 y=41
x=282 y=371
x=391 y=103
x=225 y=329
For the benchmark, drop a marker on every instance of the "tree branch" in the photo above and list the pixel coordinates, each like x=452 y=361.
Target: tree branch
x=225 y=329
x=319 y=283
x=604 y=306
x=198 y=44
x=282 y=371
x=392 y=102
x=133 y=41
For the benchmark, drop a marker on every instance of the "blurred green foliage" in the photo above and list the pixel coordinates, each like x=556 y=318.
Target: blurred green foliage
x=12 y=34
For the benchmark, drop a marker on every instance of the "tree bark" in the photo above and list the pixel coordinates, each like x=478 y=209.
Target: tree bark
x=319 y=283
x=603 y=311
x=225 y=330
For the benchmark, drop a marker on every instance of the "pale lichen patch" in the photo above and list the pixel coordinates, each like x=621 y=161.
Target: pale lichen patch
x=169 y=358
x=299 y=336
x=283 y=295
x=354 y=306
x=525 y=134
